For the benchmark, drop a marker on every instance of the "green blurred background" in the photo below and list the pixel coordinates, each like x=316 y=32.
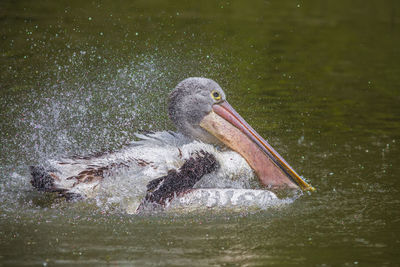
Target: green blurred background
x=319 y=79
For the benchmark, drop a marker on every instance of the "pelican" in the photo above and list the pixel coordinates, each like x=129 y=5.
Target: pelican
x=212 y=142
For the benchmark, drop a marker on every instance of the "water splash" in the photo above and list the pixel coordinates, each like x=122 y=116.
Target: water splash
x=78 y=113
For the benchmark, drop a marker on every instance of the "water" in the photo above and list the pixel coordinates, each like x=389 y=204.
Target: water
x=319 y=80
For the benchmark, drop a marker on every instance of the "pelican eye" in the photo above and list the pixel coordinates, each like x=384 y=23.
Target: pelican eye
x=215 y=95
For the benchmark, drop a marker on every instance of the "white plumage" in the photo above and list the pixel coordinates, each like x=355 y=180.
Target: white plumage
x=152 y=156
x=191 y=166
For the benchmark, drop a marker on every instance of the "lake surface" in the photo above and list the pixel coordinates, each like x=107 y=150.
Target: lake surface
x=320 y=80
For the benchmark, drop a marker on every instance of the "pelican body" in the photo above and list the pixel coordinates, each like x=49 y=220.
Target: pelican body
x=201 y=114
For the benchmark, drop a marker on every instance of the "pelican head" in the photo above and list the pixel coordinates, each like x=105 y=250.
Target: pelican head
x=199 y=109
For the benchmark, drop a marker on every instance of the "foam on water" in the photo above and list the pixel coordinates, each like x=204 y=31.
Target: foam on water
x=204 y=199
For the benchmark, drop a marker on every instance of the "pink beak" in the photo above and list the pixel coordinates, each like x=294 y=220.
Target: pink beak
x=230 y=128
